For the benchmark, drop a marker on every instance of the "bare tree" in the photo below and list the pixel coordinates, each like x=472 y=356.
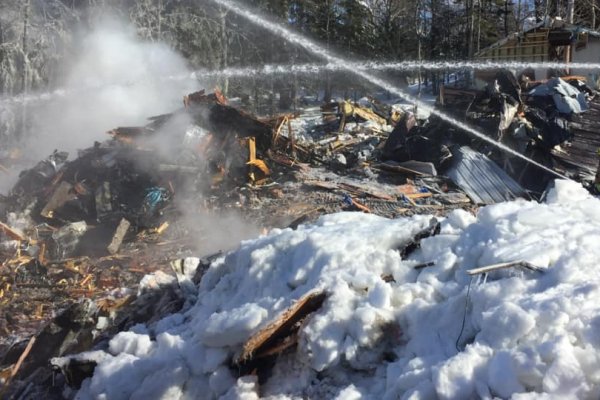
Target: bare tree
x=586 y=13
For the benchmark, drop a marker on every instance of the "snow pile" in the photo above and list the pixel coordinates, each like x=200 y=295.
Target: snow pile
x=524 y=332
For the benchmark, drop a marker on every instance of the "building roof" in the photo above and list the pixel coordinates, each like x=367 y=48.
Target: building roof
x=551 y=23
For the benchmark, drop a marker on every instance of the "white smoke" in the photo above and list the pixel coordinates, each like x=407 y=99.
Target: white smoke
x=124 y=79
x=111 y=79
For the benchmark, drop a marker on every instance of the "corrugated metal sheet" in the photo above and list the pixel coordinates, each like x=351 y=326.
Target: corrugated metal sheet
x=482 y=179
x=579 y=155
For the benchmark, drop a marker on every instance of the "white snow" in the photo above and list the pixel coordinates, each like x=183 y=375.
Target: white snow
x=526 y=334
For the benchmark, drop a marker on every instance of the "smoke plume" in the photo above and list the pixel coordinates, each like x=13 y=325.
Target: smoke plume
x=111 y=78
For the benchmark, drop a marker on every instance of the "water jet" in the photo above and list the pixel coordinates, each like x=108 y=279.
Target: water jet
x=344 y=64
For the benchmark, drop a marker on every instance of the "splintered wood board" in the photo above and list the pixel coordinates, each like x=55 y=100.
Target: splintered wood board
x=282 y=327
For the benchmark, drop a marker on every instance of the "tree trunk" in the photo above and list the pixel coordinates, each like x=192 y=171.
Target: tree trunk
x=506 y=32
x=159 y=20
x=24 y=46
x=1 y=51
x=570 y=11
x=538 y=9
x=435 y=40
x=419 y=34
x=570 y=19
x=25 y=72
x=479 y=25
x=272 y=106
x=469 y=4
x=224 y=44
x=295 y=82
x=328 y=86
x=518 y=17
x=256 y=95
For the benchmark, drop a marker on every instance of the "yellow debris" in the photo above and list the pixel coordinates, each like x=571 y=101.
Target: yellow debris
x=261 y=165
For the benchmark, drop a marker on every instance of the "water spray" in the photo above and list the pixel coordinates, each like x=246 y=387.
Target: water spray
x=307 y=69
x=343 y=64
x=62 y=93
x=409 y=65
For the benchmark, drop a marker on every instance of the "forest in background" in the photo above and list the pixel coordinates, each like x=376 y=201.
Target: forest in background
x=37 y=36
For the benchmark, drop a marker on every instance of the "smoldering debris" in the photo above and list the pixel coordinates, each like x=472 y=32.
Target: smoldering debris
x=107 y=78
x=197 y=180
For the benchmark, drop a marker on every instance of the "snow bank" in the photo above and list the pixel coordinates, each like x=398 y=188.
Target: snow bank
x=524 y=334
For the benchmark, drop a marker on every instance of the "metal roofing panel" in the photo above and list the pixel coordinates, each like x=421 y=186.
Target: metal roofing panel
x=580 y=154
x=482 y=179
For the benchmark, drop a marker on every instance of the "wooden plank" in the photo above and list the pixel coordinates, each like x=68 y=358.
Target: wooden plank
x=22 y=358
x=369 y=115
x=283 y=326
x=61 y=195
x=291 y=137
x=365 y=190
x=418 y=195
x=251 y=149
x=11 y=233
x=322 y=184
x=118 y=236
x=260 y=164
x=278 y=129
x=396 y=168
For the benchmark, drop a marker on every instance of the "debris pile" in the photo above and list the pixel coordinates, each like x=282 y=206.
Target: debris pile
x=553 y=122
x=92 y=227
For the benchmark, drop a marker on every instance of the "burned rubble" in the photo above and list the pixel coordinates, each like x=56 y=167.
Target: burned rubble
x=552 y=122
x=78 y=235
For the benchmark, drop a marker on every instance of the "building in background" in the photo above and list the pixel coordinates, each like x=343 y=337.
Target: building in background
x=550 y=40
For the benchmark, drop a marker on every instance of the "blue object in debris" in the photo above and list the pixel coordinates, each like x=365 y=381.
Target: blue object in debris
x=347 y=200
x=154 y=196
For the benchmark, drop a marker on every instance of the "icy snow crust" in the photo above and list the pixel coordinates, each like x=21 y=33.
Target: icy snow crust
x=526 y=334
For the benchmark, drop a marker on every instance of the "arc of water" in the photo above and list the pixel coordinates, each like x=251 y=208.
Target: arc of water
x=319 y=51
x=478 y=65
x=408 y=65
